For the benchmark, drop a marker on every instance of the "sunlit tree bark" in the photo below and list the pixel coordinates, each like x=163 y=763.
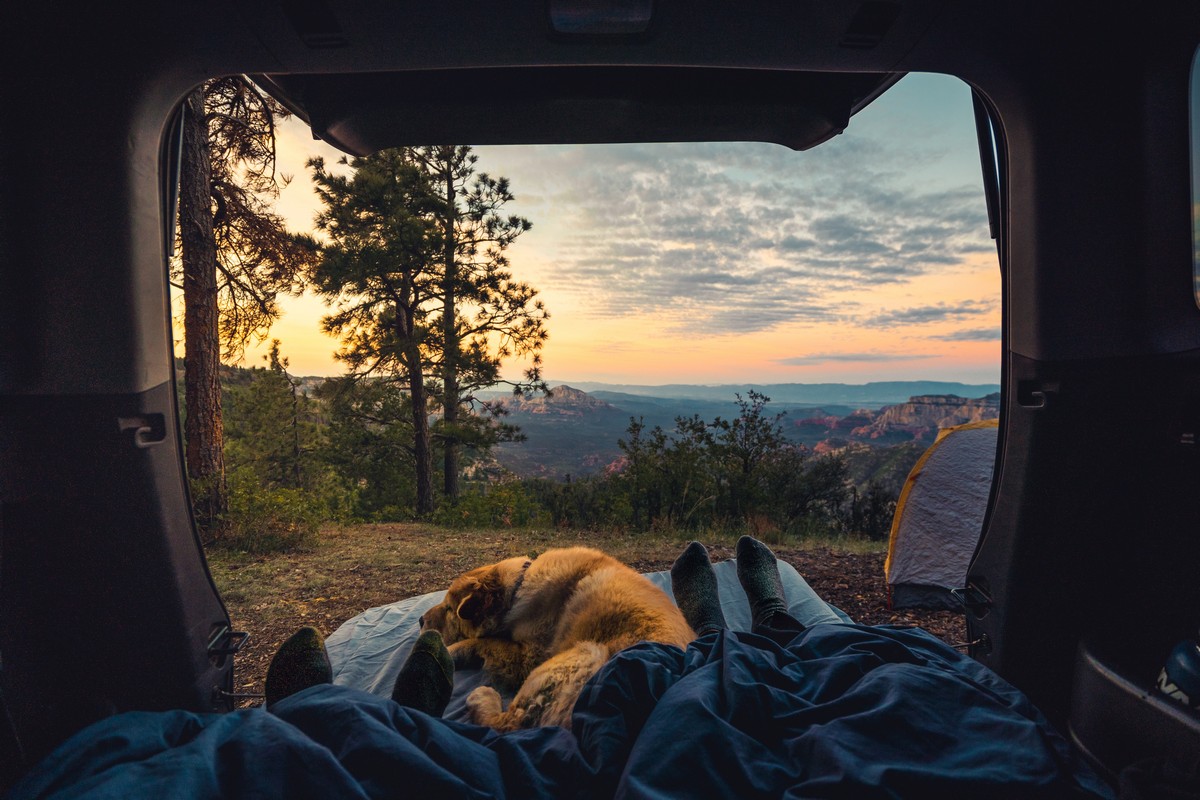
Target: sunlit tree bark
x=236 y=258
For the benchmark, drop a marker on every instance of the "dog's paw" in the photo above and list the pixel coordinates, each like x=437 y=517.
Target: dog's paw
x=483 y=705
x=464 y=654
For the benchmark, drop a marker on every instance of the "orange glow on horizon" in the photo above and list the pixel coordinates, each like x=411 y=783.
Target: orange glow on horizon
x=938 y=320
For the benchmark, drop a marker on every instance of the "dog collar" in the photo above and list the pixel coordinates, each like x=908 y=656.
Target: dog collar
x=512 y=597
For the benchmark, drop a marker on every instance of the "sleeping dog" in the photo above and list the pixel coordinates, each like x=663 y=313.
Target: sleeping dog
x=543 y=627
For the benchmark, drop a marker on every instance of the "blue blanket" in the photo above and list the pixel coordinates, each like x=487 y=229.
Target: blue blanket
x=838 y=711
x=367 y=650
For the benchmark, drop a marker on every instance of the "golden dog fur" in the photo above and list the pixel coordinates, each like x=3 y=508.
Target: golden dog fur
x=544 y=627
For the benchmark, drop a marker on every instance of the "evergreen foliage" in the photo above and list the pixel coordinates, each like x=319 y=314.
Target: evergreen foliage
x=369 y=444
x=485 y=315
x=271 y=430
x=379 y=267
x=281 y=484
x=728 y=473
x=346 y=453
x=415 y=263
x=236 y=258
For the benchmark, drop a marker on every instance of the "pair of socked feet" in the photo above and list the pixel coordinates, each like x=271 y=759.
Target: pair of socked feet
x=426 y=679
x=694 y=584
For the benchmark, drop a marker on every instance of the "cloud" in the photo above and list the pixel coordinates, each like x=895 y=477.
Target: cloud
x=972 y=335
x=923 y=315
x=739 y=237
x=817 y=359
x=789 y=242
x=735 y=238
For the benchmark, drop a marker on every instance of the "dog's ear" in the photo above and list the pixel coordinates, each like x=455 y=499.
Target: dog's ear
x=483 y=600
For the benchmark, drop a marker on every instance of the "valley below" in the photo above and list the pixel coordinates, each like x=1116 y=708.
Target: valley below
x=881 y=428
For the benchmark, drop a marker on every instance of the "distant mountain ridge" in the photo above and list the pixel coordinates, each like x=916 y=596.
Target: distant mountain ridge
x=573 y=432
x=875 y=393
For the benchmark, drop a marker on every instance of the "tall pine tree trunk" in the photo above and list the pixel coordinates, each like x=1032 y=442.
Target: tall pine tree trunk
x=422 y=452
x=201 y=340
x=450 y=398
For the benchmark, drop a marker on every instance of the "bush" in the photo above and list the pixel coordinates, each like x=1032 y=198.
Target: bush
x=502 y=505
x=261 y=520
x=332 y=497
x=391 y=513
x=586 y=503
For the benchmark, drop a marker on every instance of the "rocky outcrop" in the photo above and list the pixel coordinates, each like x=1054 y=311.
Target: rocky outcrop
x=939 y=411
x=563 y=401
x=917 y=420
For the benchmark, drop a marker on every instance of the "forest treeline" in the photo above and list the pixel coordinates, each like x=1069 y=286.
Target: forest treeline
x=298 y=455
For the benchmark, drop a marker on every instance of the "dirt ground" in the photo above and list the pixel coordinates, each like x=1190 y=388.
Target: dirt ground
x=348 y=570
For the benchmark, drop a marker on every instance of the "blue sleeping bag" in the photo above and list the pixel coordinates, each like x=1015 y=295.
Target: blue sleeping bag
x=838 y=711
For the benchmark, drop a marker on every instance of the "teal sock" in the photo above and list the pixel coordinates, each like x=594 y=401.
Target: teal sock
x=299 y=663
x=759 y=576
x=694 y=585
x=426 y=680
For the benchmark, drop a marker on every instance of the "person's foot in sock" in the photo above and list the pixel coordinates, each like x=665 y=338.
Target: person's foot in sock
x=427 y=677
x=299 y=663
x=759 y=576
x=694 y=585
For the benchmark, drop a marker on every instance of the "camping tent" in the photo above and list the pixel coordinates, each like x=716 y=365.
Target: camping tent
x=939 y=517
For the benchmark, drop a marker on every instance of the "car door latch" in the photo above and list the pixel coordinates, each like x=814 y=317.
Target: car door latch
x=974 y=598
x=224 y=643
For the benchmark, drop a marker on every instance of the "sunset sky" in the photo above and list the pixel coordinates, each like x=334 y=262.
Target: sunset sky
x=866 y=258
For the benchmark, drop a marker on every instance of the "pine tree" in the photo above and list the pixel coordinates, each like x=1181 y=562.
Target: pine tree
x=236 y=258
x=269 y=425
x=379 y=268
x=369 y=444
x=486 y=316
x=417 y=263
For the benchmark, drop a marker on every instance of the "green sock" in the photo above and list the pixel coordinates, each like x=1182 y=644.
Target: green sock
x=694 y=585
x=427 y=677
x=759 y=576
x=299 y=663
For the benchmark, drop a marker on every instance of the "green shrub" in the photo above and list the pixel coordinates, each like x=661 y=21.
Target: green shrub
x=335 y=499
x=391 y=513
x=589 y=503
x=262 y=520
x=501 y=505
